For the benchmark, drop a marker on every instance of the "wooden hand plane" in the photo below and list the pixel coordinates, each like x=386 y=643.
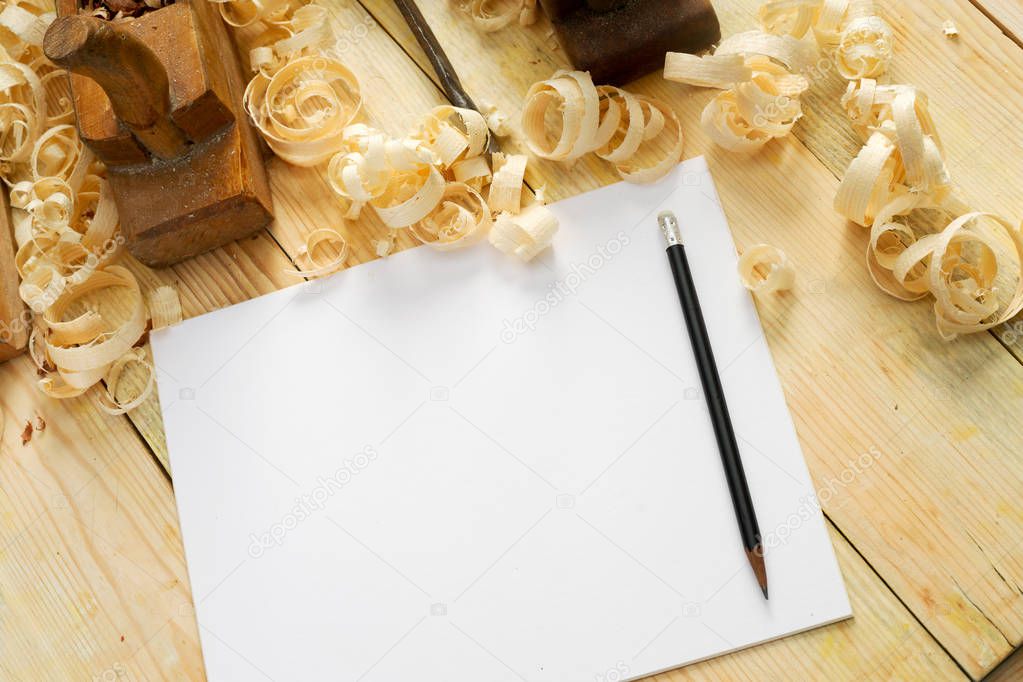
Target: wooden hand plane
x=159 y=101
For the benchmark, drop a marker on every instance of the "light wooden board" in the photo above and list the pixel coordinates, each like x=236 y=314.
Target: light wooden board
x=889 y=511
x=92 y=577
x=893 y=392
x=1007 y=14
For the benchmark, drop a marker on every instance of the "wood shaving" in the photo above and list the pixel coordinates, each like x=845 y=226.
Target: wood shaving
x=758 y=74
x=497 y=121
x=493 y=15
x=461 y=218
x=109 y=401
x=901 y=169
x=610 y=122
x=319 y=267
x=506 y=187
x=241 y=13
x=305 y=103
x=26 y=434
x=383 y=247
x=282 y=107
x=865 y=46
x=789 y=17
x=950 y=29
x=524 y=235
x=765 y=269
x=88 y=313
x=164 y=307
x=976 y=282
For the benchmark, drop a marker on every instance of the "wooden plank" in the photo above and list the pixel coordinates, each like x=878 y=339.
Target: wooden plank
x=861 y=371
x=1011 y=670
x=1006 y=14
x=92 y=572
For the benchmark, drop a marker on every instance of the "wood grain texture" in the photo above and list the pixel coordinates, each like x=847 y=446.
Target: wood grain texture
x=92 y=573
x=1011 y=670
x=861 y=371
x=972 y=83
x=13 y=331
x=849 y=392
x=1006 y=14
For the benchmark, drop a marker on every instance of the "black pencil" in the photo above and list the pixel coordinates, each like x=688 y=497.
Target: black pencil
x=715 y=395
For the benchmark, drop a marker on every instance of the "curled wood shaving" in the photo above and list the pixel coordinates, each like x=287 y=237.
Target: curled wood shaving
x=497 y=121
x=304 y=103
x=493 y=15
x=474 y=172
x=165 y=307
x=318 y=266
x=789 y=17
x=304 y=107
x=306 y=32
x=461 y=218
x=765 y=269
x=901 y=169
x=241 y=13
x=506 y=187
x=524 y=235
x=88 y=313
x=453 y=134
x=865 y=46
x=903 y=154
x=608 y=121
x=758 y=74
x=860 y=37
x=109 y=401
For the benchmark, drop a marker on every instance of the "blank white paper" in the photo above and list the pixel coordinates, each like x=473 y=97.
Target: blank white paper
x=455 y=466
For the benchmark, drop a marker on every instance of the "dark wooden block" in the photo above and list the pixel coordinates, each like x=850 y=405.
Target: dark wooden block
x=621 y=40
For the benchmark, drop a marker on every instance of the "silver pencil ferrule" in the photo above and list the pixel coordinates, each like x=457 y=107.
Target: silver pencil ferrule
x=670 y=228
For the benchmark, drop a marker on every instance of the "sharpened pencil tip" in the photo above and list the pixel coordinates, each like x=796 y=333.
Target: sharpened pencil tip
x=756 y=561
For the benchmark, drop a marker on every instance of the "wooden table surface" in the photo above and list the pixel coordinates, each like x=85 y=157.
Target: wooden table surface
x=93 y=583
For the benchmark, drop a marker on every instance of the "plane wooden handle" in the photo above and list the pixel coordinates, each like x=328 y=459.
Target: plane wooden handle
x=128 y=71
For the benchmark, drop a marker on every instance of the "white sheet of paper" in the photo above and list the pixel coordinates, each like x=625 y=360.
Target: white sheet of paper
x=453 y=466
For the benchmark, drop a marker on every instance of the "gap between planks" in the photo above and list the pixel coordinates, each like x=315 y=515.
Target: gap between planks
x=994 y=19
